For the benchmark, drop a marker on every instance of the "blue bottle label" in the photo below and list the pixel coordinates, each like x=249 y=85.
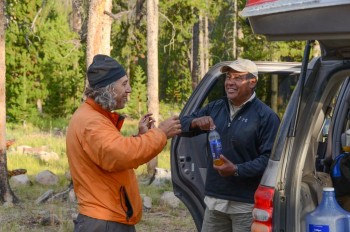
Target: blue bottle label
x=216 y=148
x=318 y=228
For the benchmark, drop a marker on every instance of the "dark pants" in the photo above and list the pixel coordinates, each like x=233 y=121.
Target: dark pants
x=87 y=224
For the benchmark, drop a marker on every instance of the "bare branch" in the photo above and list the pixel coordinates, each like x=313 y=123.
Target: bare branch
x=173 y=33
x=116 y=16
x=32 y=28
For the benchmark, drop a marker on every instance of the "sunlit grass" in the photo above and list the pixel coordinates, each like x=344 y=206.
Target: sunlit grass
x=33 y=165
x=34 y=137
x=26 y=215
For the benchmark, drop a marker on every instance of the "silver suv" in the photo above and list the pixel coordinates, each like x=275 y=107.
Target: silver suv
x=309 y=137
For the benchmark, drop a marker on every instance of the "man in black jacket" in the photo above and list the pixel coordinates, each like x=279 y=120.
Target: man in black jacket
x=247 y=128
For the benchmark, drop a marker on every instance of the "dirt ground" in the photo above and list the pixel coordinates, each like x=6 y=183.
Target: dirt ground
x=57 y=215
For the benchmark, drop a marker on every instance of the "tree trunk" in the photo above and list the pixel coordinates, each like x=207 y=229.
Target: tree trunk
x=6 y=194
x=234 y=41
x=152 y=67
x=240 y=35
x=206 y=45
x=201 y=46
x=274 y=92
x=195 y=54
x=76 y=15
x=99 y=29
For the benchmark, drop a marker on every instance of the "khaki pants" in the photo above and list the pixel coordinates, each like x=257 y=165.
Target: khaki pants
x=216 y=221
x=87 y=224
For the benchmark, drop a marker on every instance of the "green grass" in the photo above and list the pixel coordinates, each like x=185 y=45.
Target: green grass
x=32 y=136
x=27 y=216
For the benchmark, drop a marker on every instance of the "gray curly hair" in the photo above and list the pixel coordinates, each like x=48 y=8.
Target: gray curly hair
x=104 y=96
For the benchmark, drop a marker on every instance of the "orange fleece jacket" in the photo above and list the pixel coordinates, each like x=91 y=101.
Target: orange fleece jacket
x=102 y=160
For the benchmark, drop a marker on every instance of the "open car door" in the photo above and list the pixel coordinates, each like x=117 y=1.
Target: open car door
x=189 y=154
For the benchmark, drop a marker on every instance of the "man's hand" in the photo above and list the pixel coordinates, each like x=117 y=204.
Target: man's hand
x=227 y=168
x=203 y=123
x=171 y=126
x=146 y=123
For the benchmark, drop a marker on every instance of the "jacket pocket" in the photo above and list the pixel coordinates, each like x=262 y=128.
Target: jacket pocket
x=125 y=203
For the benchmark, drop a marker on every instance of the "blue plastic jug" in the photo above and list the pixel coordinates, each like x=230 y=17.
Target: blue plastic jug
x=328 y=216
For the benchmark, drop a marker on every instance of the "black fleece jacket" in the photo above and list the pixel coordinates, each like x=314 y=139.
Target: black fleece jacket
x=247 y=141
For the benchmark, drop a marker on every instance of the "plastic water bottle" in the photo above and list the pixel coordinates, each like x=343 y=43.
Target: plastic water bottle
x=215 y=146
x=328 y=216
x=345 y=141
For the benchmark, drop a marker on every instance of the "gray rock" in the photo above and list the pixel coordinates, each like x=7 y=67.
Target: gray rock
x=20 y=180
x=47 y=178
x=47 y=156
x=22 y=148
x=147 y=202
x=8 y=204
x=169 y=198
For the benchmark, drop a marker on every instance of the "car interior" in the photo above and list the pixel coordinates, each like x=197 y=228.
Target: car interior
x=324 y=146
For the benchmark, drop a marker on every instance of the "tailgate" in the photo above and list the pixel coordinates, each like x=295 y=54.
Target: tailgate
x=299 y=19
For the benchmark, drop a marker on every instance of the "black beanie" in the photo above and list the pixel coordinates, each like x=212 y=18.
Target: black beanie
x=103 y=71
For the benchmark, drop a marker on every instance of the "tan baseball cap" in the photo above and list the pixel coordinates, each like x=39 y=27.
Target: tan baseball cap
x=241 y=65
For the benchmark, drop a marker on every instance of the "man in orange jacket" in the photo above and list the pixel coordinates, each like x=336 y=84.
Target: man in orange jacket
x=101 y=159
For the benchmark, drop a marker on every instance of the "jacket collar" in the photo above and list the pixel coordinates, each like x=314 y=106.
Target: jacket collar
x=248 y=102
x=115 y=118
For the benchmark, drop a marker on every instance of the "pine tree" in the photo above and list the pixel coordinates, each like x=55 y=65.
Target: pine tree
x=6 y=195
x=137 y=104
x=43 y=60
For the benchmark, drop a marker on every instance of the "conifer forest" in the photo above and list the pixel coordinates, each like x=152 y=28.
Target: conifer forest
x=47 y=50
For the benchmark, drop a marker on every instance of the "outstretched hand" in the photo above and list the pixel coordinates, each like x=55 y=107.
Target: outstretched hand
x=171 y=126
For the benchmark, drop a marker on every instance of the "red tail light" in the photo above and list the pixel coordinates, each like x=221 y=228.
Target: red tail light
x=263 y=209
x=258 y=2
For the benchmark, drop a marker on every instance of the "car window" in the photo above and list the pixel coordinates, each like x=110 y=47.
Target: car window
x=275 y=89
x=328 y=118
x=323 y=135
x=217 y=91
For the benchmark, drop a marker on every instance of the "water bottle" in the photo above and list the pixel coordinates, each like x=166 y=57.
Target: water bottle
x=328 y=216
x=345 y=141
x=215 y=146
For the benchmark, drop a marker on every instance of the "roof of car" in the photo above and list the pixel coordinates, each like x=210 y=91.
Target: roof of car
x=285 y=20
x=266 y=66
x=264 y=7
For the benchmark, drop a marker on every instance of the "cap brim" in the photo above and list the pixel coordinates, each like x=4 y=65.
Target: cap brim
x=226 y=68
